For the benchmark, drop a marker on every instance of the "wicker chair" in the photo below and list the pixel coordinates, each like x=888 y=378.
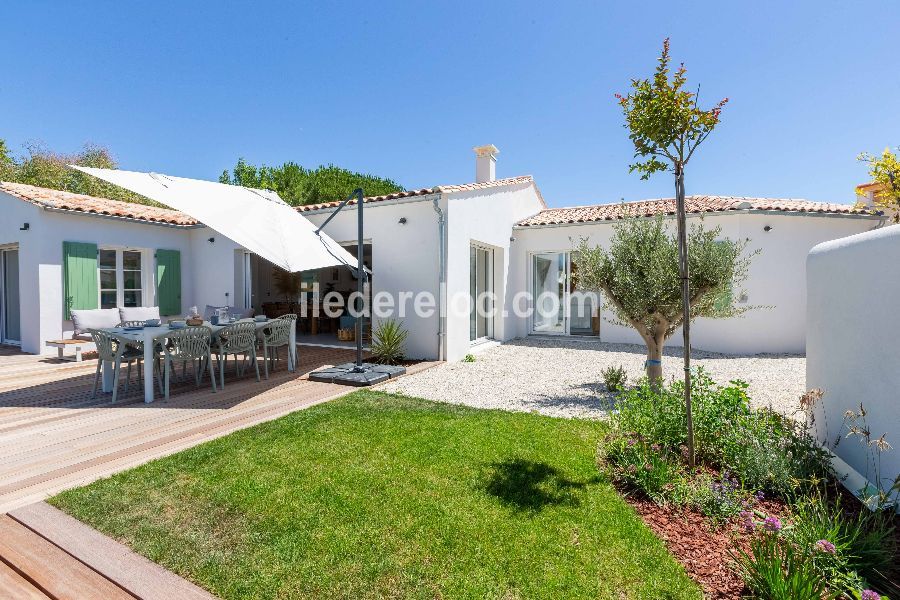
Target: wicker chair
x=187 y=345
x=132 y=324
x=112 y=348
x=239 y=338
x=276 y=335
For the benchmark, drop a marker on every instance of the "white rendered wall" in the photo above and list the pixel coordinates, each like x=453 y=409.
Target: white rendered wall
x=404 y=259
x=40 y=256
x=776 y=280
x=485 y=217
x=853 y=286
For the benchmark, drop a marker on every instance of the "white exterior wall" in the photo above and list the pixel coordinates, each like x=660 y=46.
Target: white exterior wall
x=776 y=277
x=40 y=260
x=486 y=217
x=404 y=258
x=853 y=285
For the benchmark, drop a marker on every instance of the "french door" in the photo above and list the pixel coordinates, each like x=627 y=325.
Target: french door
x=481 y=288
x=558 y=308
x=10 y=316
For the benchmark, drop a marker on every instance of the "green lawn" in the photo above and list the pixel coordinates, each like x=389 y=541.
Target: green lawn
x=374 y=495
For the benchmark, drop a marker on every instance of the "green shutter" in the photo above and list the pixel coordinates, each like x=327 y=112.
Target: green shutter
x=80 y=286
x=168 y=281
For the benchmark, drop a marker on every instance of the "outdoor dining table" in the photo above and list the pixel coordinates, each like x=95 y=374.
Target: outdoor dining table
x=146 y=335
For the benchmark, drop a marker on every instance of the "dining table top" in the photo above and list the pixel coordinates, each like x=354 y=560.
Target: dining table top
x=145 y=333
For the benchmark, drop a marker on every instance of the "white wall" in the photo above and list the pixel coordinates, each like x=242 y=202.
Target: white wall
x=40 y=259
x=487 y=217
x=404 y=258
x=776 y=277
x=854 y=284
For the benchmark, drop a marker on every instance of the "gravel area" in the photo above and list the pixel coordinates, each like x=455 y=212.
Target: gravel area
x=561 y=376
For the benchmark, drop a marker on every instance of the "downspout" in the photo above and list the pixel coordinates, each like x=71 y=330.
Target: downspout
x=442 y=273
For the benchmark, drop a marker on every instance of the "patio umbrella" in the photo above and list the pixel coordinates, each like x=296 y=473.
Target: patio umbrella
x=258 y=220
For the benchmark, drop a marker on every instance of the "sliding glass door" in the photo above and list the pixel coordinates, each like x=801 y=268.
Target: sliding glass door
x=549 y=292
x=559 y=307
x=481 y=276
x=10 y=317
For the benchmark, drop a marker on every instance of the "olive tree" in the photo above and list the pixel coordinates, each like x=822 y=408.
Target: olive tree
x=638 y=275
x=884 y=171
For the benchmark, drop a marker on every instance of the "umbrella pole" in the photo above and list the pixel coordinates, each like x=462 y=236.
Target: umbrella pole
x=360 y=277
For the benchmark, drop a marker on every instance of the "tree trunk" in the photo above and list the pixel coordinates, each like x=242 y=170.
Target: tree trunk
x=686 y=304
x=654 y=365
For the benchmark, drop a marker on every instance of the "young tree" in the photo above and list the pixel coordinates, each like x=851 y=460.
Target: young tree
x=638 y=275
x=667 y=126
x=885 y=171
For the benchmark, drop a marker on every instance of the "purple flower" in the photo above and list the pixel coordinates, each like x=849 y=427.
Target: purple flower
x=747 y=521
x=655 y=447
x=760 y=495
x=631 y=443
x=772 y=524
x=648 y=467
x=869 y=595
x=826 y=546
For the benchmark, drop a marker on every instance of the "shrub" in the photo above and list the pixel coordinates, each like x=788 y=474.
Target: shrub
x=646 y=467
x=774 y=570
x=762 y=449
x=614 y=378
x=388 y=341
x=857 y=548
x=469 y=358
x=720 y=498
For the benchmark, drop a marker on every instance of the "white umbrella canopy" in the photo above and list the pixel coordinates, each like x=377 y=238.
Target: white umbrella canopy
x=258 y=220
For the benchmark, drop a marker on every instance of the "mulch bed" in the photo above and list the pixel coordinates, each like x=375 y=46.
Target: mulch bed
x=702 y=549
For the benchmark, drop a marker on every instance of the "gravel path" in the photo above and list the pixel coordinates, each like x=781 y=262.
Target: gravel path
x=561 y=377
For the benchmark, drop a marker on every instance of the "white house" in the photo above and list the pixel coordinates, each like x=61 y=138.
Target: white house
x=63 y=250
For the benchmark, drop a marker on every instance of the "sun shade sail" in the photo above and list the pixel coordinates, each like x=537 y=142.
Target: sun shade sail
x=258 y=220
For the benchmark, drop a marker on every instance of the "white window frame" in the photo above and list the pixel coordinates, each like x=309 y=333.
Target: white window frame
x=489 y=267
x=148 y=288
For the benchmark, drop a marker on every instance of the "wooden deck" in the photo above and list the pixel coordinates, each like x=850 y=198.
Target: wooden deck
x=54 y=437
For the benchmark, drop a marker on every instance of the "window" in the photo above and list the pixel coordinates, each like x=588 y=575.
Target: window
x=121 y=277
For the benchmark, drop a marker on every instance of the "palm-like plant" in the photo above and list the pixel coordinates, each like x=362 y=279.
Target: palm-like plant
x=388 y=340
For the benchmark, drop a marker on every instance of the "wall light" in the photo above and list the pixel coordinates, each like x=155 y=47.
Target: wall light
x=211 y=240
x=402 y=220
x=767 y=228
x=25 y=227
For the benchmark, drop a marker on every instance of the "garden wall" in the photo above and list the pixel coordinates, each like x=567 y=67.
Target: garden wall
x=853 y=287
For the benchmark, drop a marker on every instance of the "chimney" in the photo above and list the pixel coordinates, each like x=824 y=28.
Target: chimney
x=485 y=163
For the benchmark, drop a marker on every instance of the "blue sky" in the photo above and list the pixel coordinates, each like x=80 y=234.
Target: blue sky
x=406 y=89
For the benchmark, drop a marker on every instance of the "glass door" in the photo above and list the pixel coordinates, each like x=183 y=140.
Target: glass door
x=559 y=307
x=549 y=272
x=10 y=317
x=481 y=311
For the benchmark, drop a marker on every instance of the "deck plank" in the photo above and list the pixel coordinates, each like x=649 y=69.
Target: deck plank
x=14 y=586
x=51 y=569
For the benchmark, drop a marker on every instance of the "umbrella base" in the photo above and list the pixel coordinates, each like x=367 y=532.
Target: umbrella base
x=348 y=374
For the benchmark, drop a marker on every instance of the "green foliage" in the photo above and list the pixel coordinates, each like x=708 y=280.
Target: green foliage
x=763 y=451
x=637 y=463
x=287 y=284
x=885 y=171
x=719 y=498
x=777 y=571
x=45 y=168
x=297 y=185
x=469 y=358
x=614 y=378
x=638 y=275
x=664 y=119
x=863 y=547
x=388 y=341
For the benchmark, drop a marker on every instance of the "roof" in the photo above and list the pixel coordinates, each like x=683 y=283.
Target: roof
x=466 y=187
x=693 y=205
x=59 y=200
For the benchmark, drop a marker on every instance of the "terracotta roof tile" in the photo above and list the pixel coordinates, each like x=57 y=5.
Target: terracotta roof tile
x=58 y=200
x=693 y=204
x=424 y=192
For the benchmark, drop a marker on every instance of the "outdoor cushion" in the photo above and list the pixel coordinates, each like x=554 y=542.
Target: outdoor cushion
x=95 y=318
x=138 y=313
x=240 y=313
